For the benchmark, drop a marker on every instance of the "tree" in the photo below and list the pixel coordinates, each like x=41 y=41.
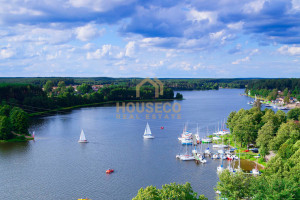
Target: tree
x=234 y=185
x=285 y=92
x=294 y=114
x=178 y=96
x=168 y=191
x=5 y=110
x=274 y=187
x=265 y=135
x=48 y=86
x=84 y=88
x=285 y=131
x=61 y=86
x=5 y=128
x=19 y=120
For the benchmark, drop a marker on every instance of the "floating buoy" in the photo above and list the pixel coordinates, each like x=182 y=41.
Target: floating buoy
x=109 y=171
x=161 y=127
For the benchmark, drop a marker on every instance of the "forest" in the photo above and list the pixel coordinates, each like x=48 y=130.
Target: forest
x=277 y=132
x=32 y=98
x=175 y=84
x=269 y=88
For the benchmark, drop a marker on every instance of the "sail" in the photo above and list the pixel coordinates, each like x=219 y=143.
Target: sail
x=147 y=130
x=82 y=136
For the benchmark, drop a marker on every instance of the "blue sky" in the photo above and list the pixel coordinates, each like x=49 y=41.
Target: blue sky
x=118 y=38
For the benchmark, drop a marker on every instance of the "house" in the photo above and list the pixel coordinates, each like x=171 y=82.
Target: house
x=97 y=87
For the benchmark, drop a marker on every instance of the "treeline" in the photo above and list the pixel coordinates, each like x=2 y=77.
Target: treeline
x=268 y=88
x=277 y=132
x=13 y=119
x=175 y=84
x=34 y=99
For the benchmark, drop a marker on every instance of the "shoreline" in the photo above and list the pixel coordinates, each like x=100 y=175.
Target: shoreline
x=37 y=114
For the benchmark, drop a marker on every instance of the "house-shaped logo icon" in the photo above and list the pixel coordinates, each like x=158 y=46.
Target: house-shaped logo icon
x=157 y=84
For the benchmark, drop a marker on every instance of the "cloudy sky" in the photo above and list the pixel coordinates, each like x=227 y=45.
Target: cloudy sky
x=150 y=38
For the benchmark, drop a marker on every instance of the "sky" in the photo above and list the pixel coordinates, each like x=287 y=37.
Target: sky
x=164 y=39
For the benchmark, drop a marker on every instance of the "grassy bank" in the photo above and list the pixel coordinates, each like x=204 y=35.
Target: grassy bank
x=17 y=139
x=95 y=104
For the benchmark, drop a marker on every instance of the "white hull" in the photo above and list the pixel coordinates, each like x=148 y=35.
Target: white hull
x=187 y=157
x=82 y=141
x=148 y=137
x=206 y=140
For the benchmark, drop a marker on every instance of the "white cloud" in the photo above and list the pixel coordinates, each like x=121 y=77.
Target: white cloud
x=88 y=32
x=195 y=15
x=290 y=50
x=98 y=5
x=130 y=49
x=238 y=61
x=216 y=35
x=237 y=26
x=99 y=53
x=6 y=53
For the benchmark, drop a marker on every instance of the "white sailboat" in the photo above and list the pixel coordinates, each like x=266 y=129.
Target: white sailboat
x=82 y=138
x=147 y=133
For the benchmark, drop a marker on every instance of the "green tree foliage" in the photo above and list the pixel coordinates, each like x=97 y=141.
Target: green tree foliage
x=84 y=88
x=5 y=110
x=169 y=191
x=293 y=114
x=5 y=128
x=274 y=187
x=19 y=120
x=61 y=86
x=179 y=96
x=265 y=135
x=286 y=130
x=285 y=92
x=234 y=186
x=48 y=86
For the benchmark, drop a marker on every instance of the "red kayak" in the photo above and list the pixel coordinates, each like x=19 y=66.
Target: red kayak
x=109 y=171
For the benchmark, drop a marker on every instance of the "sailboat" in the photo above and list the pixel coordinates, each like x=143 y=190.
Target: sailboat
x=220 y=168
x=82 y=138
x=147 y=133
x=206 y=140
x=186 y=156
x=255 y=171
x=197 y=135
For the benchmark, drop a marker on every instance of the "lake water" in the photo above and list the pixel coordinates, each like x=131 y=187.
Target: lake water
x=56 y=166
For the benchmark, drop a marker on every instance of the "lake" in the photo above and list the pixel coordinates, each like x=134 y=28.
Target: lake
x=56 y=166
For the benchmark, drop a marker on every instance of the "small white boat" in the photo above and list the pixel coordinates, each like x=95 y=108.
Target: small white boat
x=187 y=141
x=202 y=160
x=207 y=151
x=82 y=138
x=216 y=138
x=187 y=157
x=206 y=140
x=255 y=171
x=215 y=156
x=221 y=151
x=147 y=133
x=220 y=146
x=220 y=169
